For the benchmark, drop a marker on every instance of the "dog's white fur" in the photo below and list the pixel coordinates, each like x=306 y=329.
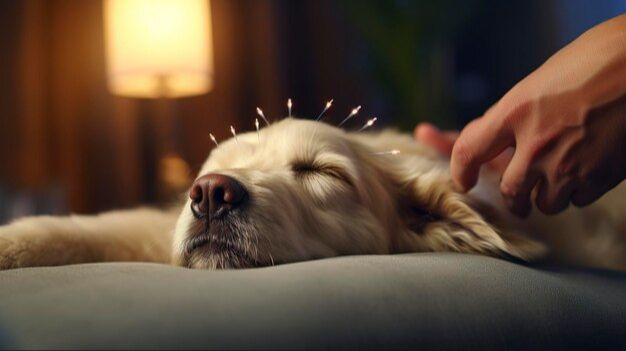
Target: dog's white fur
x=316 y=191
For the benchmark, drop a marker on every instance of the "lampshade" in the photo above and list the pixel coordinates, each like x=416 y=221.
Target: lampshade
x=158 y=48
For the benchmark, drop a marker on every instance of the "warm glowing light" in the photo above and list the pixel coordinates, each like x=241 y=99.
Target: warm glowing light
x=158 y=48
x=258 y=134
x=289 y=105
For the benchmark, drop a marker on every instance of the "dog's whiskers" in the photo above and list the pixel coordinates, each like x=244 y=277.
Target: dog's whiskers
x=328 y=105
x=352 y=114
x=368 y=124
x=213 y=139
x=271 y=259
x=256 y=248
x=258 y=134
x=289 y=105
x=262 y=115
x=232 y=131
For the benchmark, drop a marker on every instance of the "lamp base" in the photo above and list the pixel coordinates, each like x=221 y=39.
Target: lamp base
x=173 y=177
x=173 y=172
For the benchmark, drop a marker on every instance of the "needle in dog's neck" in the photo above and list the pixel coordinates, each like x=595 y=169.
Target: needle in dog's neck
x=328 y=105
x=258 y=134
x=368 y=124
x=262 y=115
x=390 y=152
x=289 y=105
x=232 y=131
x=213 y=139
x=352 y=114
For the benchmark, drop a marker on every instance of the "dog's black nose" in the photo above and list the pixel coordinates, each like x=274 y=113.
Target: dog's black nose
x=216 y=194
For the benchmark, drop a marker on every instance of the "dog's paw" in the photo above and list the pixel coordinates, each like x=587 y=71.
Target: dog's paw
x=13 y=251
x=8 y=256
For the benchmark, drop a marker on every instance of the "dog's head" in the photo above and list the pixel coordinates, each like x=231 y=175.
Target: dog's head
x=300 y=190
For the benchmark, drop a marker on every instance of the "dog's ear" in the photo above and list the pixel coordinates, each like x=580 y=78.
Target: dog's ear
x=440 y=219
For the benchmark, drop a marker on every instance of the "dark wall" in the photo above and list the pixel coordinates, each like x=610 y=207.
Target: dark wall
x=67 y=144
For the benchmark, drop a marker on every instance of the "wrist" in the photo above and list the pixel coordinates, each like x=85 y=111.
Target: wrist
x=605 y=47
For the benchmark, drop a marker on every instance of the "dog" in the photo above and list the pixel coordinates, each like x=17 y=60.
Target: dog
x=301 y=190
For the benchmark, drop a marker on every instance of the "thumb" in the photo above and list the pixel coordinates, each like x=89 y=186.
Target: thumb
x=435 y=138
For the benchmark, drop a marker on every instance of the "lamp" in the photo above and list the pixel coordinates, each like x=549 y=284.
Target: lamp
x=158 y=48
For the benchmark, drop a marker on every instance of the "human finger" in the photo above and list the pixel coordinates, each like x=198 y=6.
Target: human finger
x=518 y=180
x=479 y=142
x=442 y=141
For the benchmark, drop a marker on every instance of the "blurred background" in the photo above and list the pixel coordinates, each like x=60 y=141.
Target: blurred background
x=75 y=137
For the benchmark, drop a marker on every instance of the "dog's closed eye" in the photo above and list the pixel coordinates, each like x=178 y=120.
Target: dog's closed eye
x=301 y=167
x=304 y=168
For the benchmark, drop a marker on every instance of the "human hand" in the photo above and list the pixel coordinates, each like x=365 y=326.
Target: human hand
x=567 y=123
x=443 y=142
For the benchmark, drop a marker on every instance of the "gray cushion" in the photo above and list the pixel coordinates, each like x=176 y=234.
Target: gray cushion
x=431 y=301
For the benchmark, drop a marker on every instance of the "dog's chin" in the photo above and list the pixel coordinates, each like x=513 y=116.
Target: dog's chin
x=211 y=248
x=210 y=254
x=207 y=259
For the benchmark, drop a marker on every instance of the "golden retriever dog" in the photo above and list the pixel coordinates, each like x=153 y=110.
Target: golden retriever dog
x=301 y=190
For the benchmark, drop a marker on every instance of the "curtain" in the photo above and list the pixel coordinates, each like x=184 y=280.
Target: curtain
x=66 y=144
x=61 y=129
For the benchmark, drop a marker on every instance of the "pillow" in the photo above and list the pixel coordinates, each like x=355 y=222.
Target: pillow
x=426 y=300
